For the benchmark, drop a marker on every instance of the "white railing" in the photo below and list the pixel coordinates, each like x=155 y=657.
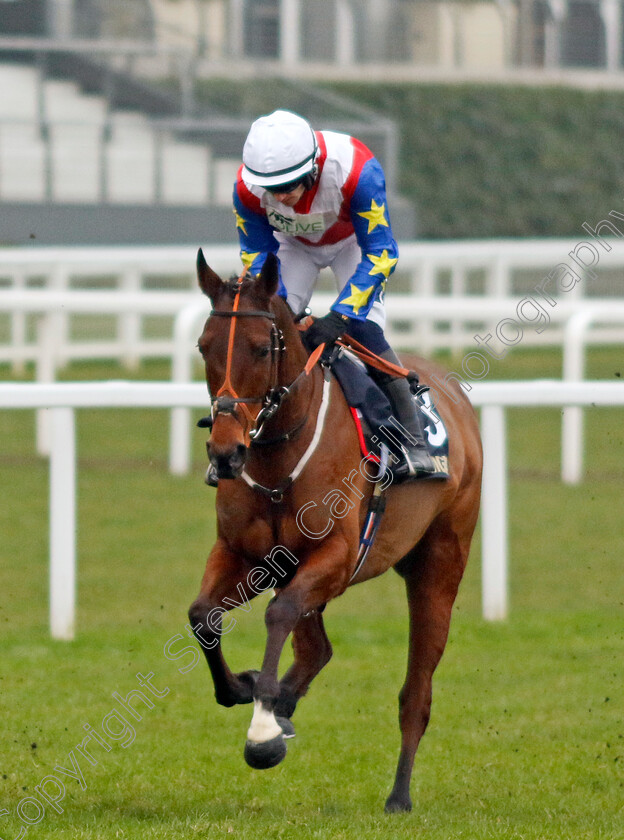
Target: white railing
x=188 y=310
x=426 y=269
x=63 y=398
x=130 y=270
x=575 y=339
x=424 y=319
x=406 y=313
x=404 y=307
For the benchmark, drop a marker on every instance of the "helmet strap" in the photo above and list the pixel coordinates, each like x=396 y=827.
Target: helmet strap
x=309 y=180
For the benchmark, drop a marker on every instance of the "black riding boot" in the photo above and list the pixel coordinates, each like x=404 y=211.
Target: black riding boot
x=416 y=461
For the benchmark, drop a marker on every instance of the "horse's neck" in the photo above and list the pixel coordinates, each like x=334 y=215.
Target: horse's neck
x=293 y=358
x=301 y=399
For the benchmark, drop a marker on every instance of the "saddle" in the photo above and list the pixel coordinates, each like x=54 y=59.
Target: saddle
x=372 y=413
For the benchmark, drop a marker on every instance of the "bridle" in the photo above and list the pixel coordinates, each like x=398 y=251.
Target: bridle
x=227 y=399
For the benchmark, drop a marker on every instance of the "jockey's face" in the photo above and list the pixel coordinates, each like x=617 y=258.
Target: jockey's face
x=289 y=198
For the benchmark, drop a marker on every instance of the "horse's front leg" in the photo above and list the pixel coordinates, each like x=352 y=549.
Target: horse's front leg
x=312 y=650
x=323 y=576
x=223 y=587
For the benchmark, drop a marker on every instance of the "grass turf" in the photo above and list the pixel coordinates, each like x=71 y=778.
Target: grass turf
x=527 y=733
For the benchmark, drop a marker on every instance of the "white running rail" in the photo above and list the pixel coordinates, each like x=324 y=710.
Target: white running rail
x=479 y=269
x=575 y=338
x=189 y=309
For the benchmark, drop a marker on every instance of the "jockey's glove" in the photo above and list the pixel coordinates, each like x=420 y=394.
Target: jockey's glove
x=325 y=330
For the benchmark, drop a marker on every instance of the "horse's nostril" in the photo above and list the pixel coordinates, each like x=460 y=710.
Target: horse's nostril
x=229 y=464
x=238 y=458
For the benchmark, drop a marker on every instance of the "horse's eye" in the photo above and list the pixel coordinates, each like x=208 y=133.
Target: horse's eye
x=262 y=352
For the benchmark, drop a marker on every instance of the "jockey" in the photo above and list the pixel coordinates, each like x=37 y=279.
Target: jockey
x=318 y=199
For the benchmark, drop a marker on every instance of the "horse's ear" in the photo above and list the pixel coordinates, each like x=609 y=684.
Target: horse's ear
x=209 y=282
x=269 y=275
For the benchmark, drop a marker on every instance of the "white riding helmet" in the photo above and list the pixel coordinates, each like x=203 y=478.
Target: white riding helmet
x=280 y=148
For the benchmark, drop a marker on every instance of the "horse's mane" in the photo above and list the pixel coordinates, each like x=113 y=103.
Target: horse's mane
x=234 y=284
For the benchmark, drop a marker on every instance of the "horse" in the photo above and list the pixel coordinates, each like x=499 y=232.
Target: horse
x=282 y=441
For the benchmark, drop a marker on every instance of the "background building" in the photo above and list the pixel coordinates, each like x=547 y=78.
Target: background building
x=114 y=113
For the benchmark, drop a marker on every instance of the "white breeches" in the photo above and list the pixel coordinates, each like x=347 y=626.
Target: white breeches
x=300 y=266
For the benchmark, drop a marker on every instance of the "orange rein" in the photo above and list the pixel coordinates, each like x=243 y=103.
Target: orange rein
x=372 y=359
x=227 y=389
x=362 y=352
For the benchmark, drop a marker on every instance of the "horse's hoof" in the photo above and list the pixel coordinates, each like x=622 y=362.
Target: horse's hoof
x=286 y=725
x=398 y=804
x=267 y=754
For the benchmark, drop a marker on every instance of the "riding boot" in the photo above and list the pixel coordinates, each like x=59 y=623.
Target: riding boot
x=416 y=461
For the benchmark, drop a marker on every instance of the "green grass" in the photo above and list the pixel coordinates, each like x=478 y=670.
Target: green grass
x=527 y=733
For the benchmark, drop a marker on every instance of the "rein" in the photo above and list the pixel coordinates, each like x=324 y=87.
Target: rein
x=362 y=352
x=373 y=359
x=276 y=494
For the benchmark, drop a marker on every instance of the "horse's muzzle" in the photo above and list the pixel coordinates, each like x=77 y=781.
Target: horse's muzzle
x=228 y=464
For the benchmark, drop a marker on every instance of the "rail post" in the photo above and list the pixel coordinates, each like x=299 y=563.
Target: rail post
x=62 y=524
x=494 y=551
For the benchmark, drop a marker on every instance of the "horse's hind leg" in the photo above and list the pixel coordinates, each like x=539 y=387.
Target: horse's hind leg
x=432 y=574
x=312 y=651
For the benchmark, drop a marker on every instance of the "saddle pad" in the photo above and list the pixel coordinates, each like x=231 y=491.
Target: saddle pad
x=436 y=435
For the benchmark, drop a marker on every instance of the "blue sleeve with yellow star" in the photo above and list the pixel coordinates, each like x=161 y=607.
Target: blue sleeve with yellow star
x=380 y=252
x=256 y=238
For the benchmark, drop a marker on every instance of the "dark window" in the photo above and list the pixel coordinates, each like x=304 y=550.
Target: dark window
x=318 y=30
x=262 y=28
x=22 y=17
x=583 y=41
x=539 y=17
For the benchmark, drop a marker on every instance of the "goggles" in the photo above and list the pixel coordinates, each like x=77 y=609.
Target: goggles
x=285 y=188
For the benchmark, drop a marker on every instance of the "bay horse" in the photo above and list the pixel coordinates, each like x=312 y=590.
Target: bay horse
x=283 y=442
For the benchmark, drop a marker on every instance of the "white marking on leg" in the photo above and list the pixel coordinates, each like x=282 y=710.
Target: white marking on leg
x=263 y=726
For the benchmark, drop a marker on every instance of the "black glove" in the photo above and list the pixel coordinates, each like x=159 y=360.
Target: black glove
x=324 y=330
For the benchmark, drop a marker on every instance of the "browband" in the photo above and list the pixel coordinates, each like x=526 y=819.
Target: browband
x=259 y=313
